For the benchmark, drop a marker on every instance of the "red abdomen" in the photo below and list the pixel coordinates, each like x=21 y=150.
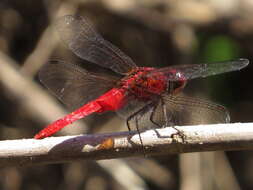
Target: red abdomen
x=112 y=100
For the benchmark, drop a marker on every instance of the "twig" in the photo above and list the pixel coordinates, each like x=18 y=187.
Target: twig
x=237 y=136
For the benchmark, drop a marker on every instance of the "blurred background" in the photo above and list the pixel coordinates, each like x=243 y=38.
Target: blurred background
x=153 y=33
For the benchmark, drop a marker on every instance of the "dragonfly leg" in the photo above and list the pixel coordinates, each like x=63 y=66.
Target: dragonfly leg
x=179 y=133
x=152 y=116
x=137 y=128
x=165 y=115
x=128 y=124
x=167 y=121
x=135 y=116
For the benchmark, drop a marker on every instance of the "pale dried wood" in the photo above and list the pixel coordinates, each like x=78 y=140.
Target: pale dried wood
x=236 y=136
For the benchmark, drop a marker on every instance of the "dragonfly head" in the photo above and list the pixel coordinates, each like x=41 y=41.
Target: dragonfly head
x=174 y=87
x=176 y=82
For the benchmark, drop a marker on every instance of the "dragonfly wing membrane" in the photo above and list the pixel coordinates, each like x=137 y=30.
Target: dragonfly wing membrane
x=137 y=113
x=184 y=110
x=80 y=37
x=191 y=71
x=173 y=110
x=73 y=85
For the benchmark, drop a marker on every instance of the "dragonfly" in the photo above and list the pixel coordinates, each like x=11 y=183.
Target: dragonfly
x=144 y=96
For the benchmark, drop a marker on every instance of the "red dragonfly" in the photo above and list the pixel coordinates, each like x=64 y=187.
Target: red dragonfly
x=139 y=93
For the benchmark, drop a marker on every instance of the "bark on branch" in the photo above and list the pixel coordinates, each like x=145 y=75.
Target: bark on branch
x=237 y=136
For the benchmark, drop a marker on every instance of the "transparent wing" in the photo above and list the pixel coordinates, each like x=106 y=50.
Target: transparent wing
x=137 y=113
x=175 y=110
x=184 y=110
x=85 y=42
x=186 y=72
x=132 y=106
x=73 y=85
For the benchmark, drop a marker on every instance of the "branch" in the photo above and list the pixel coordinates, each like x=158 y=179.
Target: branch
x=237 y=136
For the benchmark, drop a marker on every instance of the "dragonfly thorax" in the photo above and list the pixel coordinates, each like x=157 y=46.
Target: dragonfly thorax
x=139 y=84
